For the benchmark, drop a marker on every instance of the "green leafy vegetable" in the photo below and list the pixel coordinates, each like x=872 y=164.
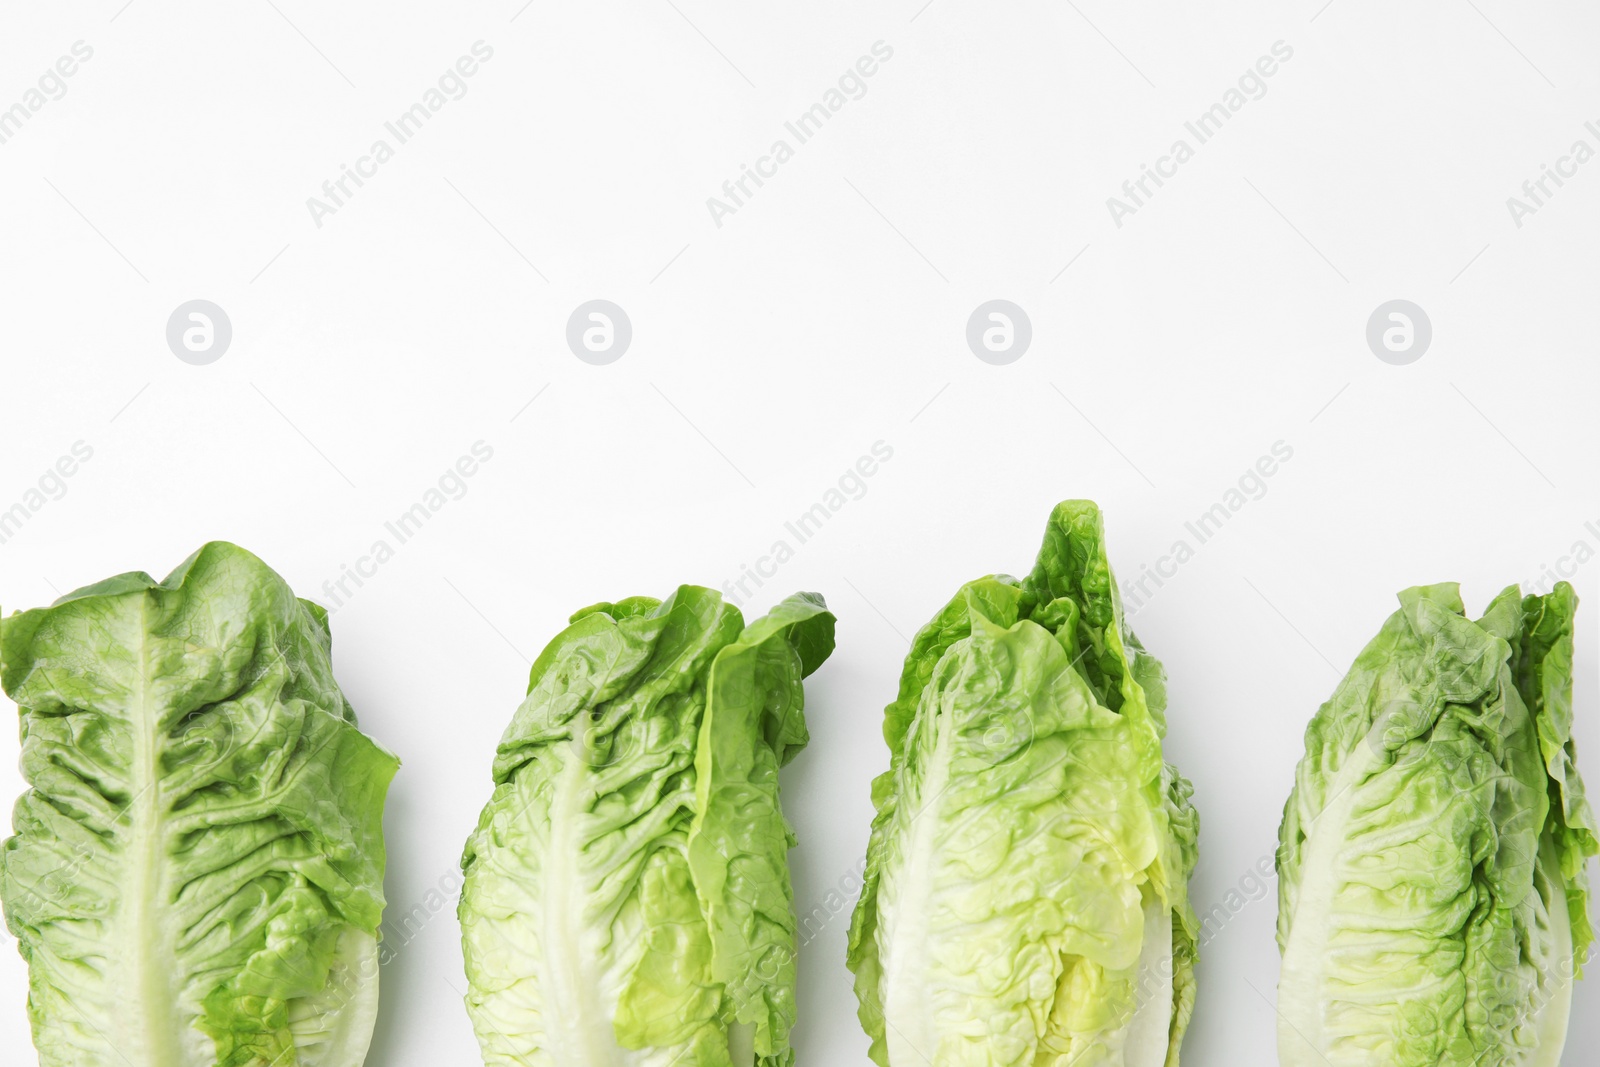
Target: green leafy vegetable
x=1026 y=893
x=1433 y=897
x=197 y=873
x=627 y=897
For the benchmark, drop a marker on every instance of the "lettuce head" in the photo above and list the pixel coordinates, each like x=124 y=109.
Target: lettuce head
x=1433 y=905
x=196 y=878
x=1026 y=892
x=627 y=900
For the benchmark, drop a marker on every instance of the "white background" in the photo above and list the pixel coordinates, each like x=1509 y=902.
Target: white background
x=827 y=314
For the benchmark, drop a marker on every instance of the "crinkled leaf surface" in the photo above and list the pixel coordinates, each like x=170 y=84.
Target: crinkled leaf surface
x=1433 y=899
x=627 y=897
x=197 y=872
x=1025 y=899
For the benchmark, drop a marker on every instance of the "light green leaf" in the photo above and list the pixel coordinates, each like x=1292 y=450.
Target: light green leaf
x=739 y=842
x=196 y=876
x=627 y=897
x=1432 y=900
x=1025 y=899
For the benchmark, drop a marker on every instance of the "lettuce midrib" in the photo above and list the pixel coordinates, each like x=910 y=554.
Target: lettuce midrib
x=908 y=1006
x=1554 y=1013
x=1300 y=988
x=1146 y=1037
x=145 y=935
x=581 y=1017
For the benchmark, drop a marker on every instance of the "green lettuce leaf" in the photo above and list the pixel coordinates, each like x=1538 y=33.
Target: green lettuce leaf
x=627 y=897
x=196 y=876
x=1433 y=900
x=1026 y=892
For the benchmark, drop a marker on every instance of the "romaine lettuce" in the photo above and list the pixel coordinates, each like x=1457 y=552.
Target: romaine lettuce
x=197 y=873
x=1433 y=896
x=1026 y=894
x=627 y=897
